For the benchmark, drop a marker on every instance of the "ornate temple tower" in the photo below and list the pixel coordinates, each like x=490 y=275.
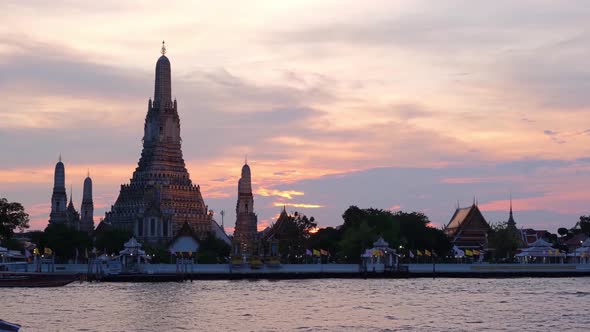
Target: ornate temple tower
x=87 y=208
x=160 y=197
x=59 y=197
x=72 y=216
x=245 y=234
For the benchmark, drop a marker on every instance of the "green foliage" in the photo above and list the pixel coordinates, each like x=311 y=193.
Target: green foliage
x=504 y=240
x=410 y=230
x=158 y=253
x=293 y=235
x=12 y=216
x=562 y=231
x=326 y=238
x=585 y=224
x=64 y=241
x=111 y=240
x=213 y=250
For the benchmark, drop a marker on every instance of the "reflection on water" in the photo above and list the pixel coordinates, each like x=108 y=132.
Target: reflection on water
x=305 y=305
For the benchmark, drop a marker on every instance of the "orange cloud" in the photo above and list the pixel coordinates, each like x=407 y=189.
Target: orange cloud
x=280 y=193
x=562 y=202
x=298 y=205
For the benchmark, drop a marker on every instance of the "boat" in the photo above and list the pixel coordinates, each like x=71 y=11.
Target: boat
x=32 y=279
x=8 y=327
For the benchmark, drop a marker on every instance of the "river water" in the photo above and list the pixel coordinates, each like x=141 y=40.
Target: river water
x=306 y=305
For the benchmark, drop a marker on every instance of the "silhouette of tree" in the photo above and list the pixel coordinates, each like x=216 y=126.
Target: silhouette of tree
x=12 y=216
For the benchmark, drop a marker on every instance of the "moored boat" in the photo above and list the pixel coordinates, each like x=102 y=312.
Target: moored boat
x=30 y=279
x=8 y=327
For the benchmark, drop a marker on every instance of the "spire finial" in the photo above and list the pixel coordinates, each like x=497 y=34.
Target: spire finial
x=60 y=157
x=163 y=50
x=88 y=173
x=71 y=193
x=246 y=159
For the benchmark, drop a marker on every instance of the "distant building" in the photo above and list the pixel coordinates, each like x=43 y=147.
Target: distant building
x=161 y=197
x=468 y=228
x=59 y=197
x=529 y=236
x=245 y=239
x=87 y=208
x=68 y=215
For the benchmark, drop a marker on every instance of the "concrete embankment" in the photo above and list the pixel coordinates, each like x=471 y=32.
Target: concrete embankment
x=171 y=272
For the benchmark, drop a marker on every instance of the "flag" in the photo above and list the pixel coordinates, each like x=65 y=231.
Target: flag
x=377 y=252
x=27 y=254
x=434 y=253
x=419 y=253
x=316 y=252
x=48 y=251
x=468 y=252
x=308 y=252
x=475 y=252
x=427 y=252
x=411 y=254
x=36 y=251
x=324 y=252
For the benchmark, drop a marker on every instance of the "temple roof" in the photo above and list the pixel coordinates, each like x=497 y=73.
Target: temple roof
x=464 y=217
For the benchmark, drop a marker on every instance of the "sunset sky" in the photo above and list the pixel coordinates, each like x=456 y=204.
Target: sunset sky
x=401 y=105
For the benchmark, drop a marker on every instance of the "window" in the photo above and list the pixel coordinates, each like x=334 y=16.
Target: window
x=153 y=227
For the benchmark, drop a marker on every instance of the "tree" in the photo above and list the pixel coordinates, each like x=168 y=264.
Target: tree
x=562 y=231
x=504 y=240
x=585 y=224
x=213 y=250
x=111 y=240
x=410 y=230
x=65 y=241
x=12 y=216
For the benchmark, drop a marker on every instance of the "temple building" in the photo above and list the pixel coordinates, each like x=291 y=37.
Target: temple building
x=67 y=214
x=87 y=208
x=59 y=197
x=161 y=197
x=468 y=229
x=245 y=234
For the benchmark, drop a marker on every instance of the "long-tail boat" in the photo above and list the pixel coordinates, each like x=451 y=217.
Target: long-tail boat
x=33 y=279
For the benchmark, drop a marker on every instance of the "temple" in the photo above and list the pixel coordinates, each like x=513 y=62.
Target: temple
x=67 y=214
x=468 y=229
x=161 y=197
x=246 y=231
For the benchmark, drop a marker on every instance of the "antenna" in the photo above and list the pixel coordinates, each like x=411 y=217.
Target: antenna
x=163 y=50
x=222 y=213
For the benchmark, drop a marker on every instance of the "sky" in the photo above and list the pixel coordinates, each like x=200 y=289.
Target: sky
x=399 y=105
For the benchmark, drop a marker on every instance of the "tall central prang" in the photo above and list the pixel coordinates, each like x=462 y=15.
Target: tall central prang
x=160 y=197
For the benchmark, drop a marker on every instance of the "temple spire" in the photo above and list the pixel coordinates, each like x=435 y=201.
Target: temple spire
x=163 y=90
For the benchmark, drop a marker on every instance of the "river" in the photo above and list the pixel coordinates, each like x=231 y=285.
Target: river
x=540 y=304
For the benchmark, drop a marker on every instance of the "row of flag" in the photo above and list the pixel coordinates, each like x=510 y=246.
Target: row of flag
x=553 y=252
x=316 y=252
x=469 y=252
x=46 y=251
x=426 y=252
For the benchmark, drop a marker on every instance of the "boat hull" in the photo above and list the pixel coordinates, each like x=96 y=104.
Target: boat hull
x=8 y=279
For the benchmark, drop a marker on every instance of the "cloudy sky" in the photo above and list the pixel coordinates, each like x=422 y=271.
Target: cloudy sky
x=401 y=105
